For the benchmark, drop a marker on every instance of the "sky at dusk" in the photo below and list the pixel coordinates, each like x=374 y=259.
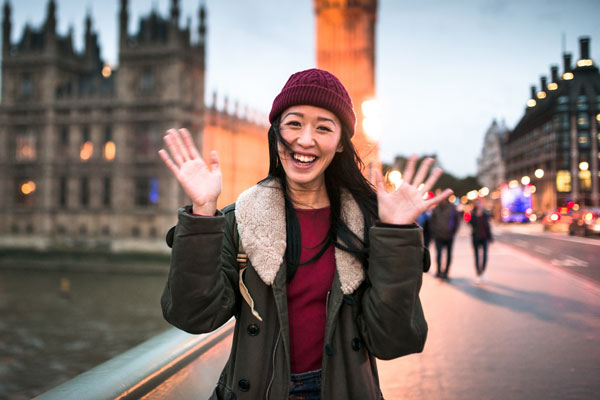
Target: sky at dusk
x=444 y=69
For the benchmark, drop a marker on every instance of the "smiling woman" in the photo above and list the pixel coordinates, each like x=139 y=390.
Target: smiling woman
x=321 y=269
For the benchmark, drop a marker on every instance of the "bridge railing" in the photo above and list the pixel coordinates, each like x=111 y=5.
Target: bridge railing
x=172 y=365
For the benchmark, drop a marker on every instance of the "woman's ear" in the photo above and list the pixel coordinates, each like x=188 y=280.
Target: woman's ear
x=340 y=147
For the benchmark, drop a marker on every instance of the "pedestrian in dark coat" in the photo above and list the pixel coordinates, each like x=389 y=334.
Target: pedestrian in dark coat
x=331 y=267
x=482 y=235
x=443 y=224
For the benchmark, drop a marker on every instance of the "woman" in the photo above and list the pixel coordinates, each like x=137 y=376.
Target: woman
x=334 y=266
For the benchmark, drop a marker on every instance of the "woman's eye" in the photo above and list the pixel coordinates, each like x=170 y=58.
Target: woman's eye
x=292 y=123
x=325 y=128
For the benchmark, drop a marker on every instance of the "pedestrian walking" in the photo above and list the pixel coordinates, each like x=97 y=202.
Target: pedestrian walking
x=320 y=269
x=423 y=222
x=444 y=223
x=482 y=235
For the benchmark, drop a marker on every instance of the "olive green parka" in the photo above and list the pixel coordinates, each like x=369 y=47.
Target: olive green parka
x=372 y=313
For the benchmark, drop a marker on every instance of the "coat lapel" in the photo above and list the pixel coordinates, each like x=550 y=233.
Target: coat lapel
x=260 y=215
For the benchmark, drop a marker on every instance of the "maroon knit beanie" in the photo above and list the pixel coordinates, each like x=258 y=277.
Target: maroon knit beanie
x=319 y=88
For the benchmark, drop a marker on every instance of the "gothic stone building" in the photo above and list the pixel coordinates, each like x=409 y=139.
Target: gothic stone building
x=559 y=135
x=79 y=139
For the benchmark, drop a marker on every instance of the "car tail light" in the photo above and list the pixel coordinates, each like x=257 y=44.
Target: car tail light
x=563 y=210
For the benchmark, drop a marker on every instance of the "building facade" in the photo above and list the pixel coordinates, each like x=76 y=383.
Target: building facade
x=346 y=47
x=79 y=138
x=558 y=135
x=490 y=164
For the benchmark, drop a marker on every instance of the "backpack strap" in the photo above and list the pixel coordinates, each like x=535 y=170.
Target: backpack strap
x=242 y=260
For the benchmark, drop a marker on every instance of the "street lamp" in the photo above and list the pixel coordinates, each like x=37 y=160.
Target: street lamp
x=539 y=173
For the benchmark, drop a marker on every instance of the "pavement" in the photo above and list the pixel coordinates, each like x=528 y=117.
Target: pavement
x=531 y=332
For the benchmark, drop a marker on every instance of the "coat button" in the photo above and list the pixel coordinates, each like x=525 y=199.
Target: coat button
x=244 y=385
x=253 y=329
x=356 y=344
x=329 y=350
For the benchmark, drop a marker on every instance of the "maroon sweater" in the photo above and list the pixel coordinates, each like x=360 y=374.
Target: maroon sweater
x=307 y=292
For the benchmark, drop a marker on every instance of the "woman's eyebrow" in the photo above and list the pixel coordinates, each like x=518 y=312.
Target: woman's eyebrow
x=293 y=113
x=326 y=119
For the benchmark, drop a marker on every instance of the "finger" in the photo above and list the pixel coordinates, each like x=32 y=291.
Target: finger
x=435 y=175
x=422 y=172
x=179 y=142
x=379 y=185
x=439 y=198
x=189 y=144
x=215 y=165
x=167 y=160
x=173 y=147
x=409 y=171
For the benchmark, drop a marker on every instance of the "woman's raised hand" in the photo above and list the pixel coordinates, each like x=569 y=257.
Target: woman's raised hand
x=201 y=183
x=403 y=205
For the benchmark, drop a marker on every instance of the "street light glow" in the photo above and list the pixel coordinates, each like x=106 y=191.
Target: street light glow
x=539 y=173
x=472 y=195
x=525 y=180
x=513 y=184
x=372 y=122
x=484 y=191
x=395 y=177
x=584 y=166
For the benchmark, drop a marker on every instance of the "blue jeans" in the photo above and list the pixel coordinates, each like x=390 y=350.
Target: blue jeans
x=306 y=386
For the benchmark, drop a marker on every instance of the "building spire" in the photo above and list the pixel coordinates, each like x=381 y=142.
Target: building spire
x=51 y=17
x=175 y=11
x=202 y=23
x=6 y=27
x=123 y=22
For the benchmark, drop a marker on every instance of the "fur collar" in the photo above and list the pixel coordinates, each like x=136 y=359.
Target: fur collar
x=260 y=215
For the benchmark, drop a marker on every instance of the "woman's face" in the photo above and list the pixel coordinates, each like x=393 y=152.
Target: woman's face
x=314 y=136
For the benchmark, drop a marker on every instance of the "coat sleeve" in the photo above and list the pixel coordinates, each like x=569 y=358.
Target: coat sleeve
x=201 y=292
x=392 y=323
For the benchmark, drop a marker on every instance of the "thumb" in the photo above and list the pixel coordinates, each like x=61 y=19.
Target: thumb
x=214 y=162
x=379 y=181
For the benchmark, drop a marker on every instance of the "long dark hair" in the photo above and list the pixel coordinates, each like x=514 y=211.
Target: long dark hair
x=343 y=172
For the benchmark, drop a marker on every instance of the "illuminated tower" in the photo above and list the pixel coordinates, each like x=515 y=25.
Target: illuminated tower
x=346 y=47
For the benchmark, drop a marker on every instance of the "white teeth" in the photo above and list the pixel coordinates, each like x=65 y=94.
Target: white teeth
x=305 y=159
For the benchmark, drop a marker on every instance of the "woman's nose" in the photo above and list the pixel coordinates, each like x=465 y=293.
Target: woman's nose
x=306 y=136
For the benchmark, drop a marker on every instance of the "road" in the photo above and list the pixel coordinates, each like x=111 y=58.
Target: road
x=531 y=332
x=574 y=254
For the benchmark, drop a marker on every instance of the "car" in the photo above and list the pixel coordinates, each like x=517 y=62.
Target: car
x=559 y=220
x=585 y=222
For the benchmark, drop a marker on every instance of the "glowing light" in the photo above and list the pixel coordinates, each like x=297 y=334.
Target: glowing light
x=505 y=212
x=541 y=95
x=472 y=195
x=584 y=166
x=532 y=189
x=539 y=173
x=552 y=86
x=106 y=71
x=567 y=76
x=484 y=191
x=554 y=217
x=395 y=178
x=588 y=216
x=525 y=180
x=452 y=199
x=598 y=117
x=531 y=103
x=467 y=217
x=427 y=195
x=575 y=207
x=110 y=151
x=585 y=63
x=513 y=184
x=371 y=123
x=532 y=218
x=495 y=195
x=28 y=187
x=463 y=200
x=87 y=149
